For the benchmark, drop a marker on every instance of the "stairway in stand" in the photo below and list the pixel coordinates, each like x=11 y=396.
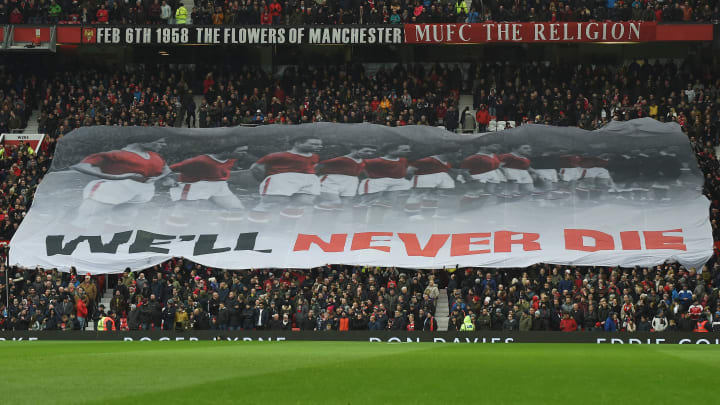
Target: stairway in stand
x=442 y=311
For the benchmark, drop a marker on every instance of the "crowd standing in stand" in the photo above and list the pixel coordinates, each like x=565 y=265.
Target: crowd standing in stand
x=296 y=12
x=182 y=295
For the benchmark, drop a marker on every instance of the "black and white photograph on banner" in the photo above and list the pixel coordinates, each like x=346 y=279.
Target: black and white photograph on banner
x=368 y=194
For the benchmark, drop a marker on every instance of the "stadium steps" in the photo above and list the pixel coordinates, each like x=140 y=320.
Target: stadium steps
x=197 y=98
x=442 y=311
x=32 y=124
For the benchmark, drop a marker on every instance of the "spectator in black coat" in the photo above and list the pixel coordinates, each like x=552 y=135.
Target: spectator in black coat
x=310 y=322
x=156 y=312
x=223 y=317
x=235 y=322
x=451 y=119
x=275 y=323
x=168 y=315
x=261 y=317
x=399 y=322
x=510 y=324
x=358 y=322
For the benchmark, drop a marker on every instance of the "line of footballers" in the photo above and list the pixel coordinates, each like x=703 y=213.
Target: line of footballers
x=368 y=181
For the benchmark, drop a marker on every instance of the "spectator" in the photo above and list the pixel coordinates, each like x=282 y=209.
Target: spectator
x=702 y=325
x=261 y=317
x=166 y=13
x=482 y=116
x=510 y=324
x=643 y=325
x=181 y=319
x=168 y=315
x=526 y=320
x=218 y=17
x=133 y=318
x=54 y=12
x=467 y=325
x=611 y=323
x=695 y=310
x=275 y=10
x=659 y=322
x=81 y=308
x=275 y=322
x=568 y=324
x=102 y=15
x=630 y=325
x=155 y=11
x=16 y=17
x=468 y=121
x=430 y=323
x=181 y=14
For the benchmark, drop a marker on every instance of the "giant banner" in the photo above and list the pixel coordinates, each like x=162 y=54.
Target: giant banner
x=628 y=194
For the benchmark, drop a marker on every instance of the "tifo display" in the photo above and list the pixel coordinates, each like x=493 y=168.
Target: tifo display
x=410 y=197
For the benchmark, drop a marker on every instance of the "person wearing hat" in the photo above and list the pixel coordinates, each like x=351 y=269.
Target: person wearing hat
x=107 y=323
x=99 y=314
x=429 y=323
x=526 y=320
x=133 y=319
x=168 y=315
x=497 y=319
x=258 y=118
x=467 y=325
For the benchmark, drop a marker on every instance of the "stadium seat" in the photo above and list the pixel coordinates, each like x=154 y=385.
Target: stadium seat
x=492 y=126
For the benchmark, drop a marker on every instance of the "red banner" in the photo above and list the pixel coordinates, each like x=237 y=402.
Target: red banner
x=491 y=32
x=549 y=32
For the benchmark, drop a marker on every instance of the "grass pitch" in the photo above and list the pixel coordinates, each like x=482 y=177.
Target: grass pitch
x=354 y=373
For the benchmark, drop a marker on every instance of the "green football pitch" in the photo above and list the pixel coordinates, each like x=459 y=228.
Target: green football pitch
x=355 y=373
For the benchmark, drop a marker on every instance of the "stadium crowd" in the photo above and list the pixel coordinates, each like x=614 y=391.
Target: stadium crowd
x=558 y=94
x=180 y=295
x=295 y=12
x=184 y=295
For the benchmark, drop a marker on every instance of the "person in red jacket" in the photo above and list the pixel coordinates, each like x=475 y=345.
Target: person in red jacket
x=275 y=11
x=482 y=116
x=102 y=15
x=265 y=17
x=16 y=16
x=81 y=309
x=568 y=324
